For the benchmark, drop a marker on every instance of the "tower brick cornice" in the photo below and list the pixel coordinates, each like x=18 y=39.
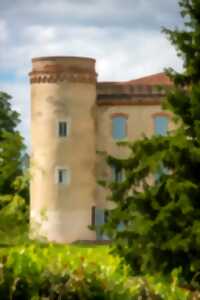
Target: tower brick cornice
x=54 y=71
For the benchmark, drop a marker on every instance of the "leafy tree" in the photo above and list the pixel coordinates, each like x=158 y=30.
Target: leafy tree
x=13 y=180
x=11 y=145
x=161 y=219
x=9 y=118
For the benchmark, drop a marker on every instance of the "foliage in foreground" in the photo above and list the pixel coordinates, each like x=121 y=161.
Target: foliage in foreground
x=52 y=272
x=14 y=183
x=162 y=219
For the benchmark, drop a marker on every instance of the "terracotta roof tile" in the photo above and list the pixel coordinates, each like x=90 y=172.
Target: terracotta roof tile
x=155 y=79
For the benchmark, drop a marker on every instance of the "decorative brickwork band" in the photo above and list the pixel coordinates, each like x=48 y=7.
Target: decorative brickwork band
x=55 y=70
x=53 y=78
x=57 y=76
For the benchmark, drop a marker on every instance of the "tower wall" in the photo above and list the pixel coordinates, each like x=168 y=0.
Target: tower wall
x=63 y=89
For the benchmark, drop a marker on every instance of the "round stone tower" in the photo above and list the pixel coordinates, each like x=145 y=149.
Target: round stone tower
x=63 y=93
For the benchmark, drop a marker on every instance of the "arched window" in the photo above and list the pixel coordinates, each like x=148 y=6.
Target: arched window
x=119 y=127
x=161 y=124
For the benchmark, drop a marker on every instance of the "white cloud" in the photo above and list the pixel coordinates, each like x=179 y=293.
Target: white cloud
x=40 y=34
x=100 y=13
x=118 y=58
x=136 y=54
x=3 y=31
x=124 y=37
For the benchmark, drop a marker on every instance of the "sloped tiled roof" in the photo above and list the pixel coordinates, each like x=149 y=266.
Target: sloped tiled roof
x=138 y=91
x=155 y=79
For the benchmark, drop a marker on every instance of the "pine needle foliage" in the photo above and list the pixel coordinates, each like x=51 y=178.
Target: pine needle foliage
x=161 y=218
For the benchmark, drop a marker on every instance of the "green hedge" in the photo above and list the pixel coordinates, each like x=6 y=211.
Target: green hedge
x=35 y=272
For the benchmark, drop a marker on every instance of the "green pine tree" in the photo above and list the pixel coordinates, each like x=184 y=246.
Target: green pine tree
x=161 y=221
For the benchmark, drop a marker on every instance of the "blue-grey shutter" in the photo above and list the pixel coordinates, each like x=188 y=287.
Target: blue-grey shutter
x=99 y=221
x=161 y=125
x=117 y=175
x=120 y=226
x=119 y=127
x=162 y=170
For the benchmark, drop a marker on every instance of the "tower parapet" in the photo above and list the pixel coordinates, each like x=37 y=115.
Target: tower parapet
x=58 y=69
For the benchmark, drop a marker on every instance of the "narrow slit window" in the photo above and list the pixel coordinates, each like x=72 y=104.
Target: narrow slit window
x=93 y=216
x=62 y=129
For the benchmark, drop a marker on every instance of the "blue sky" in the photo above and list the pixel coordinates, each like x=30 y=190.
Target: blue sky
x=124 y=36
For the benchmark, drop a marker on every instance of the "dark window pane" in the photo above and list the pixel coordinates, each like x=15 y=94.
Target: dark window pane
x=62 y=129
x=117 y=174
x=60 y=176
x=93 y=216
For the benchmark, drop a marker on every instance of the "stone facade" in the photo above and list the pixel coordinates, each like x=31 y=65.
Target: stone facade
x=65 y=165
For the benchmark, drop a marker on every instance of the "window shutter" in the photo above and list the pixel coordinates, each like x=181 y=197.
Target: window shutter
x=119 y=127
x=117 y=175
x=161 y=125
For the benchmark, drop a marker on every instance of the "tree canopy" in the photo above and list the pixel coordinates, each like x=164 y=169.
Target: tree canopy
x=14 y=196
x=11 y=145
x=161 y=220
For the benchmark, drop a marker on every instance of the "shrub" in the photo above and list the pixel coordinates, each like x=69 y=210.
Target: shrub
x=56 y=272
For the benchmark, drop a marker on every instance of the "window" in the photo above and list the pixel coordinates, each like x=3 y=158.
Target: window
x=93 y=216
x=62 y=176
x=161 y=171
x=106 y=216
x=62 y=129
x=160 y=128
x=117 y=174
x=100 y=219
x=161 y=125
x=119 y=127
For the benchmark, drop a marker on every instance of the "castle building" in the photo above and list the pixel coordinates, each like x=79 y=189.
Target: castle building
x=73 y=118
